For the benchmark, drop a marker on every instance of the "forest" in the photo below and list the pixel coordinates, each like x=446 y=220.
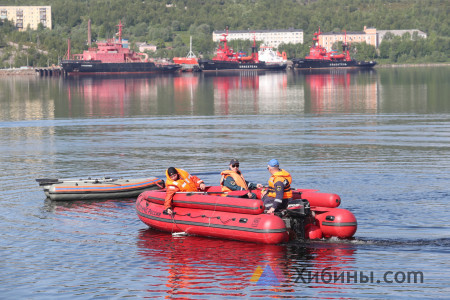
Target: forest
x=168 y=24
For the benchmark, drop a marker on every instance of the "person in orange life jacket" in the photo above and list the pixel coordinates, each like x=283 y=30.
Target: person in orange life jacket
x=279 y=191
x=179 y=180
x=233 y=180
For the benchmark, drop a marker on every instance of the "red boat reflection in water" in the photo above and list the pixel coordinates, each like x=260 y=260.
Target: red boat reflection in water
x=203 y=267
x=223 y=85
x=185 y=89
x=108 y=97
x=250 y=92
x=119 y=96
x=197 y=267
x=338 y=91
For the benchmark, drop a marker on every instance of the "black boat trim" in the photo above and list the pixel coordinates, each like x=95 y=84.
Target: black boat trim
x=339 y=224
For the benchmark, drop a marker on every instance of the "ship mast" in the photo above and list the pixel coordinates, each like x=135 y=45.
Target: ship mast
x=254 y=50
x=89 y=41
x=190 y=54
x=68 y=48
x=120 y=31
x=345 y=47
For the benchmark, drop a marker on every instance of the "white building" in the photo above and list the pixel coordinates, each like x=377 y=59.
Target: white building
x=24 y=16
x=370 y=35
x=146 y=47
x=272 y=38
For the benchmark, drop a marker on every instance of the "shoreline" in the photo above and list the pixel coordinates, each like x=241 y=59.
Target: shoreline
x=23 y=72
x=33 y=72
x=412 y=65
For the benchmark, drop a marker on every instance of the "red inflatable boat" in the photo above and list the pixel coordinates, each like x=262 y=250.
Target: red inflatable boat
x=310 y=215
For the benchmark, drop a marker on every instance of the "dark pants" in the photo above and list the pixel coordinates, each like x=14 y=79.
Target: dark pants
x=270 y=201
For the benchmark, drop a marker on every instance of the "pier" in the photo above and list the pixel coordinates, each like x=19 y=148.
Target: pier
x=38 y=71
x=49 y=71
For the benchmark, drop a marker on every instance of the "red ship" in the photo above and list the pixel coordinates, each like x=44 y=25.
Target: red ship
x=227 y=59
x=319 y=57
x=111 y=57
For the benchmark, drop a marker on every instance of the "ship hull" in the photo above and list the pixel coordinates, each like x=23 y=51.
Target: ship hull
x=211 y=65
x=326 y=64
x=81 y=67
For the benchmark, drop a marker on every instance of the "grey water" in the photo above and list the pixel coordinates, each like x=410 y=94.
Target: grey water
x=380 y=139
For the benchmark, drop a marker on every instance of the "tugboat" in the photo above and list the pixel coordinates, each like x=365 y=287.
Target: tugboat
x=226 y=59
x=319 y=58
x=111 y=57
x=188 y=63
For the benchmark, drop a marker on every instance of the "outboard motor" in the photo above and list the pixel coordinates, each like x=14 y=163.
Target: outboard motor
x=296 y=216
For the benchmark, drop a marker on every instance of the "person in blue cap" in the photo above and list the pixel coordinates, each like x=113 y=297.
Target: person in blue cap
x=279 y=192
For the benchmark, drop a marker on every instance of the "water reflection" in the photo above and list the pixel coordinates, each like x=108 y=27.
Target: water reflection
x=254 y=92
x=294 y=92
x=341 y=91
x=191 y=264
x=113 y=97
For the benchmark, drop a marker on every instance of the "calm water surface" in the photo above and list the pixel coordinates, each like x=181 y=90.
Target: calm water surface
x=379 y=139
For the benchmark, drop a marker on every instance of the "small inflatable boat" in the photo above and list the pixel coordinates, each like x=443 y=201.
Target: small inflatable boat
x=211 y=214
x=98 y=188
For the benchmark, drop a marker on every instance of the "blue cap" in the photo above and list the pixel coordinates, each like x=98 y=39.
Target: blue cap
x=274 y=163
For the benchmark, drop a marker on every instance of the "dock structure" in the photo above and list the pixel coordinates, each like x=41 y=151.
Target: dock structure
x=49 y=71
x=30 y=71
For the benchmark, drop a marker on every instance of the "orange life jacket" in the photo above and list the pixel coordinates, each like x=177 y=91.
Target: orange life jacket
x=238 y=178
x=185 y=182
x=284 y=177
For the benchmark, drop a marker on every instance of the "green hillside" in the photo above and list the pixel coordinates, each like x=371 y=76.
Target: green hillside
x=168 y=24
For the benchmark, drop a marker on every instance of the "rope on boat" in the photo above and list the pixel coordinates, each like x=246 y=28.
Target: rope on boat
x=199 y=216
x=204 y=216
x=173 y=222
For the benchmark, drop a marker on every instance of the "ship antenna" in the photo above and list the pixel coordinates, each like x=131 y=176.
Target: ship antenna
x=255 y=54
x=120 y=31
x=345 y=47
x=190 y=54
x=68 y=48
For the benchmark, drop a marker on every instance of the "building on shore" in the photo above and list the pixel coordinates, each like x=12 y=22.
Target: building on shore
x=272 y=38
x=370 y=35
x=146 y=47
x=24 y=16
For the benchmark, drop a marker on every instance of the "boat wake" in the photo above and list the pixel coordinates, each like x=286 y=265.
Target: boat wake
x=440 y=242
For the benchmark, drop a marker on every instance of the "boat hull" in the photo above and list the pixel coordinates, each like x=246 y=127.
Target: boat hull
x=261 y=228
x=214 y=65
x=208 y=214
x=86 y=189
x=327 y=64
x=82 y=67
